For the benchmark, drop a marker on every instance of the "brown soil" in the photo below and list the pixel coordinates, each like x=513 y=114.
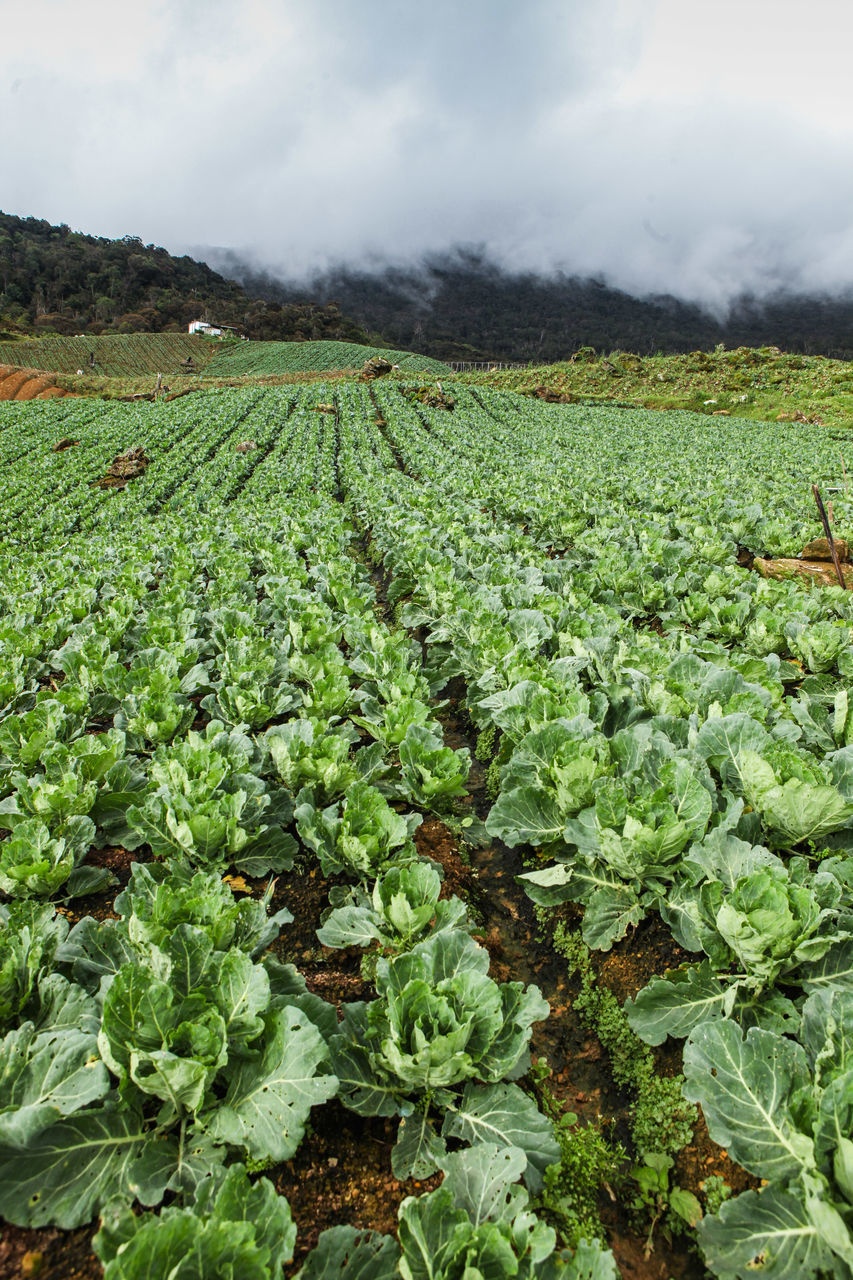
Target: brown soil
x=27 y=384
x=331 y=973
x=33 y=387
x=100 y=905
x=550 y=396
x=11 y=385
x=646 y=951
x=703 y=1158
x=674 y=1262
x=342 y=1174
x=433 y=840
x=48 y=1254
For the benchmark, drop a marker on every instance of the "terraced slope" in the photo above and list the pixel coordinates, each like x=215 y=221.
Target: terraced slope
x=259 y=358
x=116 y=355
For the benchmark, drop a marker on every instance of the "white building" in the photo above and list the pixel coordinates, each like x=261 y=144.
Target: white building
x=203 y=326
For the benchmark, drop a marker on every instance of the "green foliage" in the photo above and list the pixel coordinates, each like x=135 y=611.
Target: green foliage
x=781 y=1107
x=59 y=280
x=573 y=1185
x=207 y=806
x=233 y=1228
x=30 y=933
x=402 y=909
x=587 y=1163
x=493 y=779
x=305 y=757
x=33 y=862
x=361 y=835
x=126 y=355
x=801 y=389
x=193 y=1045
x=485 y=743
x=567 y=942
x=658 y=1202
x=430 y=773
x=715 y=1191
x=661 y=1120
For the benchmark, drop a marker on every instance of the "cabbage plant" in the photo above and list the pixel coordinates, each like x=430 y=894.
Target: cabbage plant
x=442 y=1036
x=478 y=1223
x=207 y=805
x=782 y=1108
x=402 y=908
x=361 y=835
x=232 y=1228
x=175 y=1042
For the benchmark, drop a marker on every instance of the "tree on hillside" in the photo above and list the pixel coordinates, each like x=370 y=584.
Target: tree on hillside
x=59 y=280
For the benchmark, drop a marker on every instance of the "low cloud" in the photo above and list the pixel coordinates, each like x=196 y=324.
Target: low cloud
x=662 y=149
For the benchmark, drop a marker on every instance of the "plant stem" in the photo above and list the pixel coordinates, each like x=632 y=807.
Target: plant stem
x=819 y=500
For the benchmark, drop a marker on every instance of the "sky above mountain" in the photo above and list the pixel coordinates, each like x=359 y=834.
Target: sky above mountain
x=664 y=145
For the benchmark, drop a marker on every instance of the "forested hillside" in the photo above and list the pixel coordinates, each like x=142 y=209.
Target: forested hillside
x=55 y=280
x=461 y=306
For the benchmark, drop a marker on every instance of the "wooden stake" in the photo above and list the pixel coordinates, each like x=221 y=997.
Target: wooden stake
x=819 y=500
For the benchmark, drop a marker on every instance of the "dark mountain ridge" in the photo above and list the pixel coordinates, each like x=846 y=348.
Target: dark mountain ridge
x=462 y=306
x=455 y=306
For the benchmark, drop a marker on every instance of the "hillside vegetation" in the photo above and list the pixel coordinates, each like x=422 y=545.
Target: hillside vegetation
x=762 y=384
x=56 y=280
x=125 y=363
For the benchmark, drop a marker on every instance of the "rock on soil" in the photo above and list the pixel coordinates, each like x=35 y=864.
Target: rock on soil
x=375 y=367
x=818 y=549
x=819 y=573
x=124 y=466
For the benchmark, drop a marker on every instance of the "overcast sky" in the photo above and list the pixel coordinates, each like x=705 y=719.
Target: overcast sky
x=699 y=147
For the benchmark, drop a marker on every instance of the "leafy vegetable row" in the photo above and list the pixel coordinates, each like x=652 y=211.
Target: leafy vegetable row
x=200 y=687
x=699 y=772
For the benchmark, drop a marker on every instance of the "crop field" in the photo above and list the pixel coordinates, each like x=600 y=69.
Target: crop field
x=269 y=358
x=116 y=355
x=426 y=845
